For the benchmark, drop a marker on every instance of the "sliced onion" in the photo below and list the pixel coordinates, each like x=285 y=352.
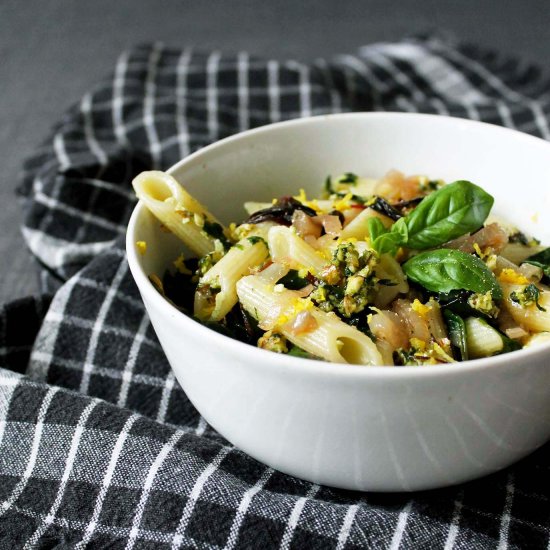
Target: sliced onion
x=303 y=322
x=387 y=326
x=491 y=236
x=306 y=225
x=515 y=333
x=331 y=224
x=270 y=320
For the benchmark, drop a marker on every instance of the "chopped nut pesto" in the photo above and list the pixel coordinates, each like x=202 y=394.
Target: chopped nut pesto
x=484 y=304
x=273 y=341
x=348 y=284
x=208 y=292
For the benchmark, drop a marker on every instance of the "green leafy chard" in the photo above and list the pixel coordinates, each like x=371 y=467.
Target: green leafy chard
x=445 y=270
x=457 y=333
x=542 y=260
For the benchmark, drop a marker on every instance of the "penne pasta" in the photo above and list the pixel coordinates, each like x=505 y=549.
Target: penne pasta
x=177 y=210
x=530 y=317
x=428 y=287
x=286 y=247
x=216 y=292
x=332 y=339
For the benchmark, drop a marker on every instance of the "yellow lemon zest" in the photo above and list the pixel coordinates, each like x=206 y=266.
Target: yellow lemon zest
x=142 y=247
x=420 y=308
x=508 y=275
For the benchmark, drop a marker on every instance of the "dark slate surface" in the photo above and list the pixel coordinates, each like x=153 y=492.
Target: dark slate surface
x=52 y=51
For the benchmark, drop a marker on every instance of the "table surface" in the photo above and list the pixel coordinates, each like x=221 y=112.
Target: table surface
x=53 y=51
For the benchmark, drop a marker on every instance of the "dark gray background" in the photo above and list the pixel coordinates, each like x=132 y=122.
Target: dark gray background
x=52 y=51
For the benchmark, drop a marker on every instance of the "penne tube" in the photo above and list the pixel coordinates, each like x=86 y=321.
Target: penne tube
x=287 y=247
x=177 y=210
x=216 y=292
x=330 y=339
x=389 y=268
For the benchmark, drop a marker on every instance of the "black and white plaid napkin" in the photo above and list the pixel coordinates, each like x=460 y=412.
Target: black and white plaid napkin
x=99 y=446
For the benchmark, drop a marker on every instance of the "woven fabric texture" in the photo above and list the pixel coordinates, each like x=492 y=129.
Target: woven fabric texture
x=99 y=446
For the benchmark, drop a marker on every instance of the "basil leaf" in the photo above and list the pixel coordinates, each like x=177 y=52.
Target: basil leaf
x=388 y=243
x=451 y=211
x=400 y=228
x=457 y=332
x=444 y=270
x=376 y=228
x=384 y=241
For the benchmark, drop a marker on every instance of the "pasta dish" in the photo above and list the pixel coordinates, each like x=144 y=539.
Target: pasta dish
x=392 y=271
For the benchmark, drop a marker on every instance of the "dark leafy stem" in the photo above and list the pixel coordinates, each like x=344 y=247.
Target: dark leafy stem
x=445 y=270
x=542 y=260
x=457 y=333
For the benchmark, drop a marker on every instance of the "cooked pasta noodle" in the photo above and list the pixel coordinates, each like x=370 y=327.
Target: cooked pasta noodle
x=395 y=271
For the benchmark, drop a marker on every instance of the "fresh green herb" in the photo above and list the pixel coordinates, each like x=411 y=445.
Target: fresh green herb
x=383 y=240
x=445 y=270
x=255 y=239
x=376 y=228
x=293 y=281
x=527 y=297
x=542 y=260
x=328 y=186
x=451 y=211
x=348 y=177
x=457 y=332
x=296 y=351
x=215 y=230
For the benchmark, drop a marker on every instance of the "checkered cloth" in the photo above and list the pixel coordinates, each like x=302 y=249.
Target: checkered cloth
x=99 y=446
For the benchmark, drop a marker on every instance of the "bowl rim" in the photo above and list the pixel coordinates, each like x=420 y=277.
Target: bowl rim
x=264 y=358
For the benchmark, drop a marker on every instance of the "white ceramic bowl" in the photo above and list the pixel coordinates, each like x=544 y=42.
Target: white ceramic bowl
x=353 y=427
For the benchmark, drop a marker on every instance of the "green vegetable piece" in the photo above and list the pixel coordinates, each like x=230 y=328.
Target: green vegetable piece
x=542 y=260
x=293 y=281
x=451 y=211
x=457 y=332
x=482 y=339
x=215 y=230
x=445 y=270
